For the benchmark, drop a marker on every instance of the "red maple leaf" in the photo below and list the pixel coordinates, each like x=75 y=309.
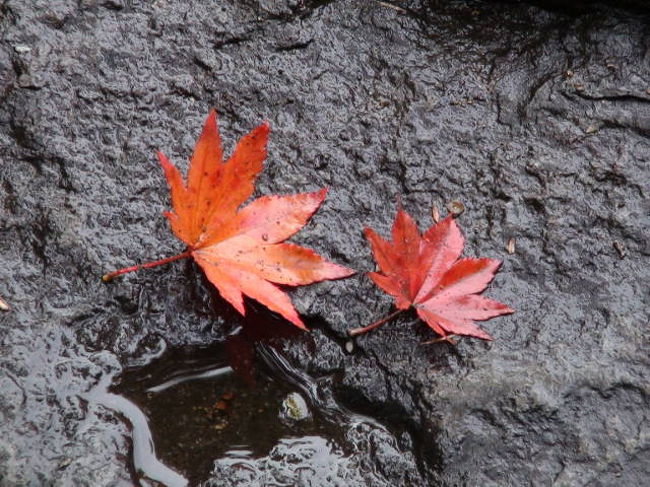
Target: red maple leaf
x=426 y=272
x=241 y=251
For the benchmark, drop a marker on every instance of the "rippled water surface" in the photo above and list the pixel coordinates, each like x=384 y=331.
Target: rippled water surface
x=195 y=419
x=198 y=410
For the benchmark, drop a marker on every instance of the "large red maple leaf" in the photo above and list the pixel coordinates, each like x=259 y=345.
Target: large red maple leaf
x=427 y=273
x=241 y=251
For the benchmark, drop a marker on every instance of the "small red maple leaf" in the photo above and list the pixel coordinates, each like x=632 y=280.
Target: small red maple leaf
x=241 y=251
x=426 y=272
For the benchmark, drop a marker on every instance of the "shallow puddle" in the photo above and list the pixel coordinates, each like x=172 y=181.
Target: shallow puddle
x=237 y=413
x=199 y=409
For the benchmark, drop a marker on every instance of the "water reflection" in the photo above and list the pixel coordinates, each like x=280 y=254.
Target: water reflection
x=236 y=412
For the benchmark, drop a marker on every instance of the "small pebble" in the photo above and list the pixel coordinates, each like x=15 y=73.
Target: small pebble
x=511 y=246
x=349 y=346
x=22 y=49
x=3 y=305
x=294 y=408
x=455 y=207
x=592 y=129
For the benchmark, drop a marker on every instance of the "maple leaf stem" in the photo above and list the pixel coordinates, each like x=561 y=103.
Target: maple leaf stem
x=358 y=331
x=111 y=275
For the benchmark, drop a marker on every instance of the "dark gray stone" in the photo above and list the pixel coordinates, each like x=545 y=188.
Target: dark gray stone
x=537 y=120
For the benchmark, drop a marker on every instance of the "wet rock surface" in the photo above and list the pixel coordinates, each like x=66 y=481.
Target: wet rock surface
x=537 y=120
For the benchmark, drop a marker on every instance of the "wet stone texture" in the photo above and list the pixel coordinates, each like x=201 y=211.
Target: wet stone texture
x=537 y=120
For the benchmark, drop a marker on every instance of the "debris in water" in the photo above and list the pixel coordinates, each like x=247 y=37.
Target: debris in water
x=3 y=305
x=294 y=408
x=511 y=246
